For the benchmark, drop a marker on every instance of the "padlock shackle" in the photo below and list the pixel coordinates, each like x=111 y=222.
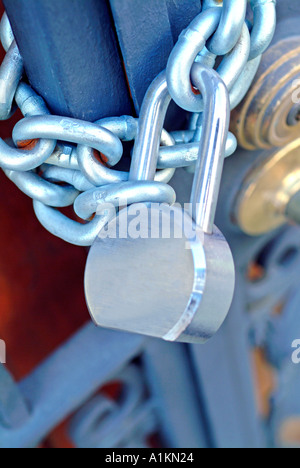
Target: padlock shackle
x=152 y=116
x=216 y=118
x=212 y=147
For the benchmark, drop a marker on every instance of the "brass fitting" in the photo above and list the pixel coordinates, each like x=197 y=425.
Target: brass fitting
x=270 y=194
x=269 y=116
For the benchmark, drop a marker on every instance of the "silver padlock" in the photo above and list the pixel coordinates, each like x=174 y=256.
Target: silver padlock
x=177 y=288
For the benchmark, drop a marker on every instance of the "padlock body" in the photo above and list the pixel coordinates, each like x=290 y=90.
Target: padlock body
x=164 y=279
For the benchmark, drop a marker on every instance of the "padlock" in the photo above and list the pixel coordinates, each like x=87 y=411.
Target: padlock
x=178 y=288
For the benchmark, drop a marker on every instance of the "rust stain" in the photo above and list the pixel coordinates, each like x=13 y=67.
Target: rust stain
x=100 y=157
x=265 y=380
x=27 y=144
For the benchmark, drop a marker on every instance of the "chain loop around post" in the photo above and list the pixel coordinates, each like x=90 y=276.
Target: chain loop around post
x=69 y=230
x=70 y=130
x=60 y=161
x=39 y=189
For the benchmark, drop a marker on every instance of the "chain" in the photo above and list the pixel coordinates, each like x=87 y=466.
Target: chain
x=204 y=36
x=79 y=171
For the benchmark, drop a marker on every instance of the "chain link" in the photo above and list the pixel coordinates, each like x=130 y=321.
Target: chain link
x=230 y=27
x=264 y=24
x=209 y=36
x=60 y=161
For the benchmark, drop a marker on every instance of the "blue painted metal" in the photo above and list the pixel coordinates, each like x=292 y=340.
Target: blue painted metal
x=67 y=379
x=225 y=378
x=107 y=423
x=71 y=376
x=178 y=404
x=71 y=56
x=181 y=13
x=147 y=31
x=146 y=40
x=13 y=408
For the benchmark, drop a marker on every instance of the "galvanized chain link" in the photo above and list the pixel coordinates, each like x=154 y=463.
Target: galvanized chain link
x=214 y=33
x=79 y=171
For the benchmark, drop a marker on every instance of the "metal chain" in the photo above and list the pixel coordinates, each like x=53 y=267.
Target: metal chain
x=80 y=171
x=203 y=40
